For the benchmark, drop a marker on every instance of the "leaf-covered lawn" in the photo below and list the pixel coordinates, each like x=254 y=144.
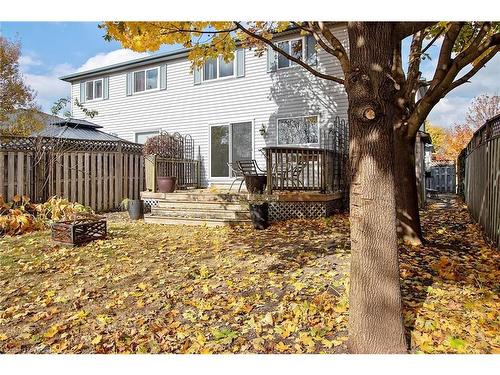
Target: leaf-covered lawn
x=150 y=288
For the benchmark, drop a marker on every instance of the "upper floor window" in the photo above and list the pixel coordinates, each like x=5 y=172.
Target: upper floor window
x=93 y=89
x=298 y=130
x=145 y=80
x=218 y=68
x=294 y=48
x=302 y=48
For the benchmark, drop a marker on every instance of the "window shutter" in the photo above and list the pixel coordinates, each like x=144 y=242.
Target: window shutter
x=105 y=88
x=240 y=62
x=129 y=84
x=163 y=77
x=311 y=55
x=197 y=75
x=82 y=92
x=271 y=60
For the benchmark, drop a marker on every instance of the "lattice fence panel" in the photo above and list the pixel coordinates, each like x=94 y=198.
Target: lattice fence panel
x=300 y=210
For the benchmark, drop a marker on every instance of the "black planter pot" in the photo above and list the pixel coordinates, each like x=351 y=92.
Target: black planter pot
x=255 y=184
x=259 y=212
x=135 y=209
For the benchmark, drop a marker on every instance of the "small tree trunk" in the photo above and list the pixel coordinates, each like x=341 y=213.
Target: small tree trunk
x=409 y=229
x=375 y=318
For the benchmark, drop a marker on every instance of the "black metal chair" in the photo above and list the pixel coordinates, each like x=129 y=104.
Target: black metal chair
x=250 y=168
x=237 y=173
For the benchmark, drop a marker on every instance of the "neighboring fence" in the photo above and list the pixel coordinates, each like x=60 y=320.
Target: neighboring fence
x=99 y=174
x=479 y=177
x=442 y=177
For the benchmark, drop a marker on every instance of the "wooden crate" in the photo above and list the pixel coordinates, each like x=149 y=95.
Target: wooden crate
x=79 y=231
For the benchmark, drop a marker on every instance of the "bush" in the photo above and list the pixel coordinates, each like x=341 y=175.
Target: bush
x=20 y=215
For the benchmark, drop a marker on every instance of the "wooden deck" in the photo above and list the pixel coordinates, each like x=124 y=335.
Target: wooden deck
x=205 y=207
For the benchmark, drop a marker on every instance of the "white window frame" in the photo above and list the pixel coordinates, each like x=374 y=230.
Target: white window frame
x=297 y=117
x=291 y=63
x=93 y=90
x=218 y=78
x=157 y=68
x=146 y=132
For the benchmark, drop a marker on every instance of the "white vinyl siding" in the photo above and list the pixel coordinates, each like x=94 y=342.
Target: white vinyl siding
x=187 y=108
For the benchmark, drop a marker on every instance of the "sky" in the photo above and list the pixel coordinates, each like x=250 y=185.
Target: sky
x=53 y=49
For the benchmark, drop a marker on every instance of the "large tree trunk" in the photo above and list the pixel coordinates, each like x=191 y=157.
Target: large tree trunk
x=409 y=229
x=375 y=318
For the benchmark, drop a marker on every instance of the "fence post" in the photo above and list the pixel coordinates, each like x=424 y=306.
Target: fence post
x=150 y=171
x=119 y=174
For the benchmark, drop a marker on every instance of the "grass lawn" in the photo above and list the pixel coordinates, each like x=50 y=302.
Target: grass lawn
x=152 y=288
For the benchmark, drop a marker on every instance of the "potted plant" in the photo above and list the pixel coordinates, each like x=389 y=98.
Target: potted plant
x=162 y=145
x=259 y=211
x=135 y=208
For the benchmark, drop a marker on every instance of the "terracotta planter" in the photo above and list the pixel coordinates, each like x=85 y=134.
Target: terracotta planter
x=166 y=184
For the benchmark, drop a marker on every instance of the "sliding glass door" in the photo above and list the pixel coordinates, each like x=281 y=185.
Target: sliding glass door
x=229 y=143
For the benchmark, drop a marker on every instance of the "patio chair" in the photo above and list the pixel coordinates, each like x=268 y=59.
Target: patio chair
x=237 y=174
x=250 y=168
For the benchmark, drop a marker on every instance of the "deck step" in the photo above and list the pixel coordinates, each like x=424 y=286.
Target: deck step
x=192 y=221
x=200 y=214
x=197 y=205
x=194 y=197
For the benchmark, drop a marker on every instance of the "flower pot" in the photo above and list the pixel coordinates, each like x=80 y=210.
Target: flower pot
x=135 y=208
x=255 y=184
x=259 y=212
x=166 y=184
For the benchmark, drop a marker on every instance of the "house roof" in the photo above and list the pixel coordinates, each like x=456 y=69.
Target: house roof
x=156 y=58
x=159 y=57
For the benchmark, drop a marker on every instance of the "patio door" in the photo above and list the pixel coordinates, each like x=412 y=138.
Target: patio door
x=228 y=144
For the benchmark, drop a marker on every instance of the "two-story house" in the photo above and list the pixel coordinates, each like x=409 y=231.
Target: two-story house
x=231 y=109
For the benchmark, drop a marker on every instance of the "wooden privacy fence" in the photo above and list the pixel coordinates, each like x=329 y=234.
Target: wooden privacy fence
x=99 y=174
x=479 y=178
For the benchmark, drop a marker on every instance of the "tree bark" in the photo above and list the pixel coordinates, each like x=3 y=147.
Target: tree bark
x=375 y=317
x=409 y=229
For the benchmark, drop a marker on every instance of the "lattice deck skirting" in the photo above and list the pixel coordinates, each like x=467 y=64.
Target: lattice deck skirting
x=295 y=210
x=148 y=203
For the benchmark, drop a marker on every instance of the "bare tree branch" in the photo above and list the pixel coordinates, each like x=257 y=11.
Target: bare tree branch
x=287 y=55
x=341 y=53
x=436 y=37
x=414 y=65
x=465 y=78
x=405 y=29
x=444 y=60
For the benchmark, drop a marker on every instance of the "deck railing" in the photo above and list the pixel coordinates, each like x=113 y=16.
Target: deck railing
x=186 y=171
x=300 y=168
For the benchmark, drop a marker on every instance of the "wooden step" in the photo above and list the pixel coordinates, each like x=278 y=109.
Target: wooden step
x=194 y=197
x=192 y=221
x=212 y=205
x=200 y=214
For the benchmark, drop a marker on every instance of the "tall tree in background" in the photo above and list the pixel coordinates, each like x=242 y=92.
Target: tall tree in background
x=382 y=107
x=482 y=108
x=19 y=114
